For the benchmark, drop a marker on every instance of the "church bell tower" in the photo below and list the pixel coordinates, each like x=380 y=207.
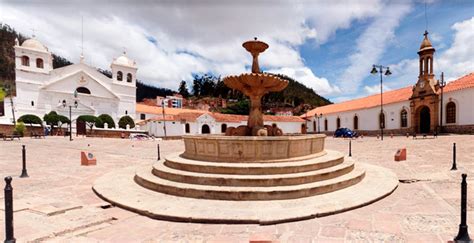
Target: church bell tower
x=424 y=102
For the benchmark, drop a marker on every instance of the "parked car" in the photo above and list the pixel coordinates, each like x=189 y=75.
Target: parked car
x=345 y=133
x=140 y=136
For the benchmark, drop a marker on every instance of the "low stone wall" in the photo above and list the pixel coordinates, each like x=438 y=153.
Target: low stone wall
x=112 y=133
x=8 y=129
x=459 y=129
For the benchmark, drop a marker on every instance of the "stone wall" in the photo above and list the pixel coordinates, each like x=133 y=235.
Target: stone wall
x=111 y=133
x=8 y=129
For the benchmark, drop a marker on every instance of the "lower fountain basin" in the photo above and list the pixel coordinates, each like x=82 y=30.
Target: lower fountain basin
x=251 y=148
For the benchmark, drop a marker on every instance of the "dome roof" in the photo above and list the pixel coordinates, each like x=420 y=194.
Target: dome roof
x=123 y=60
x=426 y=43
x=34 y=44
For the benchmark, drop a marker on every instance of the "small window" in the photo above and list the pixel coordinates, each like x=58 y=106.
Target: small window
x=25 y=61
x=325 y=124
x=404 y=118
x=338 y=123
x=451 y=112
x=187 y=128
x=83 y=90
x=39 y=63
x=381 y=120
x=126 y=112
x=356 y=122
x=223 y=128
x=32 y=103
x=119 y=76
x=129 y=77
x=142 y=116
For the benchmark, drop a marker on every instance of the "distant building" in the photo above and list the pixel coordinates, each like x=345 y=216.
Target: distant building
x=411 y=109
x=178 y=122
x=41 y=89
x=175 y=101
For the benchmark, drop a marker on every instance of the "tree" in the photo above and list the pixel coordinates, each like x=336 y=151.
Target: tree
x=183 y=89
x=52 y=119
x=126 y=120
x=63 y=120
x=90 y=121
x=30 y=119
x=107 y=119
x=241 y=107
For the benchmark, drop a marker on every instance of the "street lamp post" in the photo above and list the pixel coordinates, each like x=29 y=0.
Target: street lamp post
x=70 y=112
x=316 y=116
x=387 y=73
x=442 y=84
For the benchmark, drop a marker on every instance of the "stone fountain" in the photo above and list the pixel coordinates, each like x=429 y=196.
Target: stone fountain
x=255 y=85
x=248 y=179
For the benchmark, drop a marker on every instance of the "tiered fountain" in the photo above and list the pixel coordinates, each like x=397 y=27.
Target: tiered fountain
x=240 y=178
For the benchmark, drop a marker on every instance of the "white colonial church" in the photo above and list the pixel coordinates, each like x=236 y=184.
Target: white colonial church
x=41 y=89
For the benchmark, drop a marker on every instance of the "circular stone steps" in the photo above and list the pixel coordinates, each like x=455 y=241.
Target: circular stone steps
x=295 y=165
x=147 y=179
x=244 y=180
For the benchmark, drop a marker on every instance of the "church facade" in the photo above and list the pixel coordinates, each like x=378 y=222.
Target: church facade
x=426 y=107
x=41 y=89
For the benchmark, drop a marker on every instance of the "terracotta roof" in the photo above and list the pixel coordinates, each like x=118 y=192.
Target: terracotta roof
x=464 y=82
x=188 y=116
x=149 y=109
x=283 y=118
x=389 y=97
x=228 y=117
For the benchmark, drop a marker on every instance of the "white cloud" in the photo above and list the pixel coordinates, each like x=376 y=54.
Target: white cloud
x=371 y=45
x=375 y=89
x=191 y=37
x=307 y=77
x=455 y=61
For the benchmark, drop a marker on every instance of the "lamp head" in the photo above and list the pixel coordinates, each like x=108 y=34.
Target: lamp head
x=64 y=103
x=387 y=73
x=75 y=93
x=75 y=103
x=374 y=70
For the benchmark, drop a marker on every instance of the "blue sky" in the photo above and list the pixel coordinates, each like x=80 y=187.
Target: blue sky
x=327 y=45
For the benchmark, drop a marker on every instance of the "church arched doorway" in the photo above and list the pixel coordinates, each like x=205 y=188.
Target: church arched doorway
x=425 y=120
x=205 y=129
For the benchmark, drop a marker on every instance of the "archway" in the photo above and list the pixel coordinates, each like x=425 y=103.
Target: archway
x=425 y=120
x=205 y=129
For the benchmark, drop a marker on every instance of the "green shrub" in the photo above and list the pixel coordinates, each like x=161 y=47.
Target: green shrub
x=52 y=119
x=124 y=120
x=63 y=120
x=20 y=128
x=90 y=121
x=107 y=119
x=30 y=119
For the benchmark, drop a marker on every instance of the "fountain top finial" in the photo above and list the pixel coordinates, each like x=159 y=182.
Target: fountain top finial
x=255 y=38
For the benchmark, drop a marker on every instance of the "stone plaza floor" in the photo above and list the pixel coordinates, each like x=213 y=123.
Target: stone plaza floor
x=56 y=203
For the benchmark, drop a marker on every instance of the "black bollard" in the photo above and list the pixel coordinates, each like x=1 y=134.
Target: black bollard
x=454 y=157
x=24 y=173
x=158 y=149
x=9 y=238
x=463 y=234
x=350 y=147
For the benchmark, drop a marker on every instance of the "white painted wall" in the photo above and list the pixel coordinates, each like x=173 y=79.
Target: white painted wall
x=464 y=100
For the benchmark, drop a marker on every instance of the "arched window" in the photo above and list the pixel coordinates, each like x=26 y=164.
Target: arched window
x=451 y=112
x=381 y=120
x=187 y=128
x=129 y=77
x=356 y=122
x=314 y=126
x=404 y=118
x=39 y=63
x=83 y=90
x=25 y=61
x=119 y=76
x=325 y=124
x=142 y=116
x=223 y=128
x=338 y=123
x=205 y=129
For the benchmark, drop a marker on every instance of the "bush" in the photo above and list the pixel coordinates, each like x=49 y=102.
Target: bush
x=124 y=120
x=90 y=120
x=107 y=119
x=20 y=128
x=52 y=119
x=30 y=119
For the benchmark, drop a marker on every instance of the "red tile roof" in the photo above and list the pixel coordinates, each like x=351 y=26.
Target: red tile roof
x=464 y=82
x=151 y=109
x=389 y=97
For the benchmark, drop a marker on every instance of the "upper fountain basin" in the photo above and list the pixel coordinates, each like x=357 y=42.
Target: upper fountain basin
x=249 y=82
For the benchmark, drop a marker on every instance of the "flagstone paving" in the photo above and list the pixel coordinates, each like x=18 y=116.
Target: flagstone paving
x=56 y=203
